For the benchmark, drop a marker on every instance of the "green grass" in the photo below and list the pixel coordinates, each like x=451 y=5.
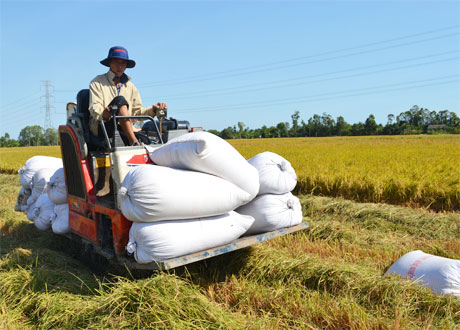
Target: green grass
x=327 y=277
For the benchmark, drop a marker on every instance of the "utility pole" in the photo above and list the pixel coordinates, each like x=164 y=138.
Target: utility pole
x=47 y=85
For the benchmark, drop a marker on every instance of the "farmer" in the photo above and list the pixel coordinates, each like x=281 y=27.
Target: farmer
x=114 y=88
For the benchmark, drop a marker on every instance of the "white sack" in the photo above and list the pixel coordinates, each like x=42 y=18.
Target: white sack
x=30 y=202
x=272 y=212
x=60 y=219
x=40 y=181
x=31 y=211
x=276 y=174
x=207 y=153
x=43 y=211
x=56 y=190
x=21 y=201
x=169 y=239
x=441 y=275
x=35 y=163
x=154 y=193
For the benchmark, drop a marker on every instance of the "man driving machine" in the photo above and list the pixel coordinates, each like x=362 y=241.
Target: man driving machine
x=114 y=89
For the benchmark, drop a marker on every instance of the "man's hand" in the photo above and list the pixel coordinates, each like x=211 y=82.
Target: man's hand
x=106 y=114
x=160 y=109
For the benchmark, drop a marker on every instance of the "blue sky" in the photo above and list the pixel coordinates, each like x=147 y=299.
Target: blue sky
x=218 y=63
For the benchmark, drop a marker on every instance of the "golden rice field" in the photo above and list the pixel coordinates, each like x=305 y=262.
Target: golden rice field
x=11 y=159
x=420 y=170
x=330 y=276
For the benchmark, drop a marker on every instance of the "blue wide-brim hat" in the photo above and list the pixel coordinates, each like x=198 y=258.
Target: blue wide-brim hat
x=118 y=52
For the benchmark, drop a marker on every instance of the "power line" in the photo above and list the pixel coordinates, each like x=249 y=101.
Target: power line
x=290 y=60
x=250 y=69
x=353 y=92
x=245 y=88
x=23 y=106
x=19 y=116
x=20 y=100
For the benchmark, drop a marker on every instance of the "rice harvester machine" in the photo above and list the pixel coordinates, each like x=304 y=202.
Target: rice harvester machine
x=94 y=170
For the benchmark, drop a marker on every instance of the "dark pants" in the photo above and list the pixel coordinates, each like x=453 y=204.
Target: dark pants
x=120 y=101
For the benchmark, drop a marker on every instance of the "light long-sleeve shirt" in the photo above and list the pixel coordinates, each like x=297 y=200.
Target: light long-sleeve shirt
x=102 y=90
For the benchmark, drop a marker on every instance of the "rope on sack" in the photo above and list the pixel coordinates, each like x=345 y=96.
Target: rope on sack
x=36 y=212
x=21 y=170
x=284 y=165
x=122 y=193
x=51 y=185
x=53 y=217
x=290 y=204
x=131 y=247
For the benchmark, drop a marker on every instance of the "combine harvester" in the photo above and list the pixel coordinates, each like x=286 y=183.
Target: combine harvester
x=94 y=171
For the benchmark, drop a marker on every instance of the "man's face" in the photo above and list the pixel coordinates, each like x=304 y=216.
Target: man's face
x=118 y=66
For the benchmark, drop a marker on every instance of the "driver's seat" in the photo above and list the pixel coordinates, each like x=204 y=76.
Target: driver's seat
x=94 y=143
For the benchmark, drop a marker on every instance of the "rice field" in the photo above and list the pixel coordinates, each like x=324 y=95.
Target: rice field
x=420 y=171
x=330 y=276
x=11 y=159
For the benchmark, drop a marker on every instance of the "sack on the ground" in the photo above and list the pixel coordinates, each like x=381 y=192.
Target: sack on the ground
x=169 y=239
x=207 y=153
x=35 y=163
x=60 y=219
x=276 y=174
x=30 y=211
x=40 y=181
x=30 y=201
x=441 y=275
x=57 y=191
x=21 y=201
x=154 y=193
x=271 y=212
x=43 y=211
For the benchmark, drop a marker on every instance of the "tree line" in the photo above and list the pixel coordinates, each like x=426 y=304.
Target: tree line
x=414 y=121
x=32 y=136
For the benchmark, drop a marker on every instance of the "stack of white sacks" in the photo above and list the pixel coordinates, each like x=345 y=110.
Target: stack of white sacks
x=43 y=194
x=185 y=203
x=275 y=207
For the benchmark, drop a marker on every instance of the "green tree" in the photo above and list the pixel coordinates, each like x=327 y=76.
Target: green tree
x=6 y=141
x=370 y=125
x=227 y=133
x=50 y=137
x=283 y=129
x=327 y=125
x=342 y=128
x=241 y=126
x=295 y=122
x=264 y=132
x=213 y=131
x=31 y=136
x=273 y=132
x=357 y=129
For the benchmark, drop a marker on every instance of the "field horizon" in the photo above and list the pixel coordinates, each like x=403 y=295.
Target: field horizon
x=416 y=170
